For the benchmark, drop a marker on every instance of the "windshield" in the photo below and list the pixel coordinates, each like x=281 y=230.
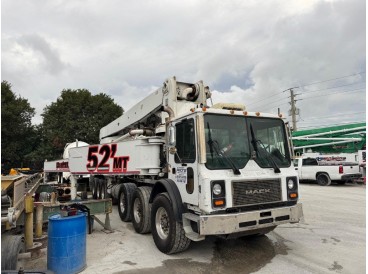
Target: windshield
x=269 y=143
x=227 y=145
x=230 y=142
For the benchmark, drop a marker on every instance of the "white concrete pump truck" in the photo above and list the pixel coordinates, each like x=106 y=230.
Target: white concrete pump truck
x=182 y=169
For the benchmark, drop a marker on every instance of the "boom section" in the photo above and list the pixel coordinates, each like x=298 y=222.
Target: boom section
x=134 y=157
x=178 y=97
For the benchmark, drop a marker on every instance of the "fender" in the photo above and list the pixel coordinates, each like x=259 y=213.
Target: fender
x=169 y=186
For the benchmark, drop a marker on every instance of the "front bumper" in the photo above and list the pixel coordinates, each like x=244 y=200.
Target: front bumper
x=247 y=221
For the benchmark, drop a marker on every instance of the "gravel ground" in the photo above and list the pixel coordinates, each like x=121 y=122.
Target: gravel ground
x=330 y=239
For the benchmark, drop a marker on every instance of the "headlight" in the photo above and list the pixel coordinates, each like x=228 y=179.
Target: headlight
x=290 y=184
x=216 y=189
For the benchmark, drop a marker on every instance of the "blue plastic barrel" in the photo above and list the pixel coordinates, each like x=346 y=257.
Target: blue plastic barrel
x=66 y=247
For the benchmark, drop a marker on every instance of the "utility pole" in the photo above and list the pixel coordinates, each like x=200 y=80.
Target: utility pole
x=294 y=110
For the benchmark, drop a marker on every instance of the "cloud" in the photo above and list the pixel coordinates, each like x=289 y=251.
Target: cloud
x=247 y=51
x=43 y=51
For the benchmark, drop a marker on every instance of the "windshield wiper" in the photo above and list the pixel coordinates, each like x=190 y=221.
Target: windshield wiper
x=210 y=141
x=254 y=142
x=214 y=147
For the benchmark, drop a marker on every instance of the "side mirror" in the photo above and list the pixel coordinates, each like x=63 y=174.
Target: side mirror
x=171 y=135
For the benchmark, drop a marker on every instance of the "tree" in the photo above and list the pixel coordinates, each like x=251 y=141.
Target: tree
x=76 y=115
x=16 y=127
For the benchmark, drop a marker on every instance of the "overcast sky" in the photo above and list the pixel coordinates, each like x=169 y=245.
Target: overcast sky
x=246 y=51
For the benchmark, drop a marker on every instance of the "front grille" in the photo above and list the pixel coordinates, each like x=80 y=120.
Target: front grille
x=256 y=192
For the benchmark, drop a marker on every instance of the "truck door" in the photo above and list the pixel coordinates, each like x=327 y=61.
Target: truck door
x=184 y=161
x=309 y=168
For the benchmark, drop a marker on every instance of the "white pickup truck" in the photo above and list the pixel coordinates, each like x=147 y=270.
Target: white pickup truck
x=326 y=172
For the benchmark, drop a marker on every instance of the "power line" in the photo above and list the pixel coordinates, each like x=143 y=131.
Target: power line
x=265 y=98
x=331 y=125
x=266 y=104
x=268 y=97
x=272 y=105
x=330 y=88
x=272 y=96
x=338 y=78
x=333 y=116
x=350 y=91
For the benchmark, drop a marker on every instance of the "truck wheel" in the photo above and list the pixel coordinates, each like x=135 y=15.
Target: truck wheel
x=91 y=183
x=323 y=179
x=125 y=201
x=102 y=189
x=168 y=234
x=98 y=188
x=95 y=188
x=141 y=210
x=11 y=246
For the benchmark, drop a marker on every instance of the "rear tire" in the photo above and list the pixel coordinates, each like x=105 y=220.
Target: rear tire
x=125 y=201
x=103 y=192
x=323 y=179
x=11 y=246
x=168 y=234
x=141 y=210
x=96 y=188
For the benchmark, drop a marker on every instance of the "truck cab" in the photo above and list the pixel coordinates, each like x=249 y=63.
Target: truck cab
x=228 y=161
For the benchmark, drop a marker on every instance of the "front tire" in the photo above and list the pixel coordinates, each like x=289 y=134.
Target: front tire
x=168 y=234
x=323 y=179
x=141 y=210
x=125 y=201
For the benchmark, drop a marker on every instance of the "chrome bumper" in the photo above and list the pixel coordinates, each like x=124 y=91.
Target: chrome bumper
x=239 y=222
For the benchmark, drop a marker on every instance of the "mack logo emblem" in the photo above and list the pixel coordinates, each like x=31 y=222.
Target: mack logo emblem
x=258 y=191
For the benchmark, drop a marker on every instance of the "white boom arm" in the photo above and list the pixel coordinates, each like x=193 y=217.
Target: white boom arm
x=151 y=112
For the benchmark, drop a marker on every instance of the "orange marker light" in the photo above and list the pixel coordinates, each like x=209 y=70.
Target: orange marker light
x=219 y=202
x=293 y=195
x=258 y=113
x=245 y=113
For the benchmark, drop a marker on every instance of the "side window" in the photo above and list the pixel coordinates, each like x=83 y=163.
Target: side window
x=310 y=162
x=185 y=142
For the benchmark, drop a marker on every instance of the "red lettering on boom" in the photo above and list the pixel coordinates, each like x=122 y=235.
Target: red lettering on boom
x=120 y=164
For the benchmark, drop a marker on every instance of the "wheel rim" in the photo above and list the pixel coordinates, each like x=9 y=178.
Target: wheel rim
x=137 y=210
x=323 y=180
x=122 y=203
x=162 y=223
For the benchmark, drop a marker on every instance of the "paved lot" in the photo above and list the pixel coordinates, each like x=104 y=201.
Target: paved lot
x=331 y=239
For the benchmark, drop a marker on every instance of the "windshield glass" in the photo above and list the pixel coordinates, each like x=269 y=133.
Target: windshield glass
x=227 y=145
x=231 y=140
x=268 y=139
